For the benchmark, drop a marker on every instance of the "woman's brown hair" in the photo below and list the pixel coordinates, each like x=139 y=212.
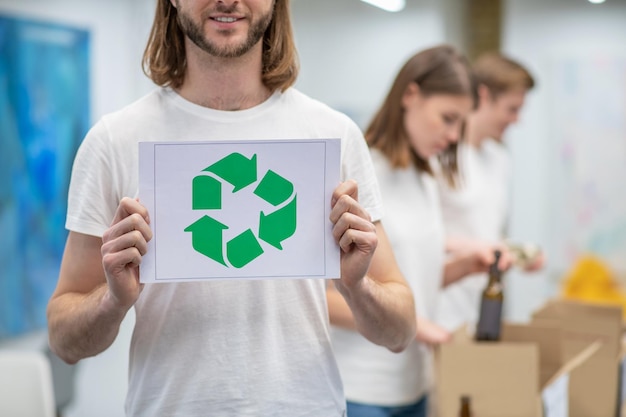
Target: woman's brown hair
x=164 y=59
x=437 y=70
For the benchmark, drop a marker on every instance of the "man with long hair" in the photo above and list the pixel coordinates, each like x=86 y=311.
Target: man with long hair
x=224 y=348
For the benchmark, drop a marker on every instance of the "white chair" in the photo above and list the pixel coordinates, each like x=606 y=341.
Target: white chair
x=25 y=384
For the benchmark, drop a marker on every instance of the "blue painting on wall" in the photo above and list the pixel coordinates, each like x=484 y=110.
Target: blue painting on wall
x=44 y=114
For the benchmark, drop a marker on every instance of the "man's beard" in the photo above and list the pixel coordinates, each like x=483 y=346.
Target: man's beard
x=195 y=33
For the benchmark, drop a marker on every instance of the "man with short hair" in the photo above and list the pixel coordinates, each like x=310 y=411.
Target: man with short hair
x=476 y=212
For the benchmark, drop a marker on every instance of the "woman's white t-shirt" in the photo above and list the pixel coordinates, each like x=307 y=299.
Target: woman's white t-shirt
x=372 y=374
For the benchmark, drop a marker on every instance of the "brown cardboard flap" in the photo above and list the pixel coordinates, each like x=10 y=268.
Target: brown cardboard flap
x=548 y=339
x=582 y=324
x=593 y=384
x=548 y=310
x=571 y=308
x=574 y=363
x=501 y=378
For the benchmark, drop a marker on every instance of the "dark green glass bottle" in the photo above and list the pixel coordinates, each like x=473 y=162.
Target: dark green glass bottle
x=490 y=318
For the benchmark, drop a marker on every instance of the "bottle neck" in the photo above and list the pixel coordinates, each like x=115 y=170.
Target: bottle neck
x=495 y=277
x=465 y=410
x=495 y=274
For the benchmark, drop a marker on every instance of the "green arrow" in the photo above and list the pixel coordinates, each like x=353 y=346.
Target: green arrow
x=242 y=249
x=235 y=169
x=273 y=188
x=279 y=225
x=207 y=193
x=206 y=237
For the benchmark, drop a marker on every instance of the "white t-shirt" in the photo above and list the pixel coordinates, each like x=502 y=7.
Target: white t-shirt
x=224 y=348
x=476 y=209
x=372 y=374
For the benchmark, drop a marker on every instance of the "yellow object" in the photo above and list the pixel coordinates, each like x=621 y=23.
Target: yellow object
x=591 y=280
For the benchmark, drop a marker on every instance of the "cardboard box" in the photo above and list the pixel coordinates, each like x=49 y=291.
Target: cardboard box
x=622 y=380
x=594 y=389
x=523 y=375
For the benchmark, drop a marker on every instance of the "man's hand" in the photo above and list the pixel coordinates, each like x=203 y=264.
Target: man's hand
x=380 y=304
x=123 y=246
x=537 y=263
x=471 y=256
x=353 y=231
x=527 y=256
x=98 y=284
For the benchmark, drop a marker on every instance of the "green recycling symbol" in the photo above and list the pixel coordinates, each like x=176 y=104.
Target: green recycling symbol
x=273 y=228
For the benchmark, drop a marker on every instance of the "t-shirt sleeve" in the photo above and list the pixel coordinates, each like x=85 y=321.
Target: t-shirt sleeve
x=356 y=164
x=92 y=201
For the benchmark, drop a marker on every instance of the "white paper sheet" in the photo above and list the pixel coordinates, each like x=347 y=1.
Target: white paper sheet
x=555 y=397
x=239 y=209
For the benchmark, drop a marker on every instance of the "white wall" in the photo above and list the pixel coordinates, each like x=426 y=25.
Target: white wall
x=350 y=51
x=535 y=32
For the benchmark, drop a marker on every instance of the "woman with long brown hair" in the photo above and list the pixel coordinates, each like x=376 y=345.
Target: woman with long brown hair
x=412 y=138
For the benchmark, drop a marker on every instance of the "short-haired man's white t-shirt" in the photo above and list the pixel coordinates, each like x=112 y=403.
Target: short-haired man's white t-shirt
x=221 y=348
x=476 y=209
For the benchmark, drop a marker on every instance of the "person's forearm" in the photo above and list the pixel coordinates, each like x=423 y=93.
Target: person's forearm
x=339 y=312
x=453 y=271
x=83 y=325
x=454 y=244
x=378 y=315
